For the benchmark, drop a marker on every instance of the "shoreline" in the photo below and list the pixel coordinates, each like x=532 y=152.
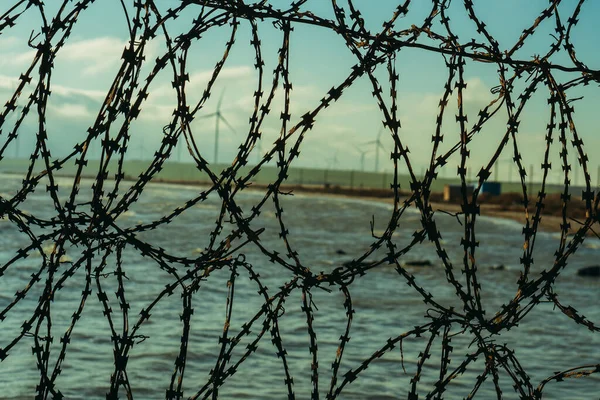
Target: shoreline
x=548 y=222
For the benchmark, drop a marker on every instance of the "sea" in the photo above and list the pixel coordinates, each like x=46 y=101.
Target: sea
x=326 y=232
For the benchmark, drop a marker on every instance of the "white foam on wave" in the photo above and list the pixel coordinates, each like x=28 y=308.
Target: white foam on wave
x=377 y=203
x=503 y=222
x=592 y=243
x=127 y=214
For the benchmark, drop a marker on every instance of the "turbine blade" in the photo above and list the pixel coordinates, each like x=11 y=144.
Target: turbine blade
x=207 y=116
x=220 y=100
x=222 y=118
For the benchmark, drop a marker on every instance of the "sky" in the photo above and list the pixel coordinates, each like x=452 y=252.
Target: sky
x=319 y=60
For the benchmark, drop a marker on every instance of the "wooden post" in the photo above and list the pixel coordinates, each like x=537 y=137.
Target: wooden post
x=352 y=179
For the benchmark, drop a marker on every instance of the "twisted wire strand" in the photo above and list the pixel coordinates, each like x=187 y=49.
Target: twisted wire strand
x=93 y=229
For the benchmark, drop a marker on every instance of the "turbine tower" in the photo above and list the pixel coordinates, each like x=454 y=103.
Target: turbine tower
x=259 y=151
x=362 y=157
x=218 y=117
x=179 y=146
x=333 y=161
x=378 y=145
x=140 y=147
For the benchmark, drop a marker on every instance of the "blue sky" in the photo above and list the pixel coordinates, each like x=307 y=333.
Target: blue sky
x=319 y=60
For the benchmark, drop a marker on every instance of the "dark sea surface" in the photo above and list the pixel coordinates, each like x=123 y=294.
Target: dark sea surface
x=546 y=341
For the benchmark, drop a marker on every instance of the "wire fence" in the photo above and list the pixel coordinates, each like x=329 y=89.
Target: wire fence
x=93 y=228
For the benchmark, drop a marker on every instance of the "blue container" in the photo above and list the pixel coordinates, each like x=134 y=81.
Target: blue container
x=493 y=188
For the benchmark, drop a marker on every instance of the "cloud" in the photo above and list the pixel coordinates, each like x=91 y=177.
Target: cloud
x=199 y=80
x=476 y=96
x=99 y=53
x=8 y=42
x=477 y=92
x=89 y=56
x=346 y=109
x=161 y=100
x=237 y=84
x=10 y=83
x=66 y=91
x=71 y=110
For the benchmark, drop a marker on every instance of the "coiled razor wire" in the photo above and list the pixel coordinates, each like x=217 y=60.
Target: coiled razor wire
x=95 y=229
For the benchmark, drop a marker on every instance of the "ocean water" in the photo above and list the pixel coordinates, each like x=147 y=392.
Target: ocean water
x=546 y=341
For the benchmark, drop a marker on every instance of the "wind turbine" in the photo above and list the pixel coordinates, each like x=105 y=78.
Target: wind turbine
x=140 y=147
x=218 y=117
x=378 y=145
x=330 y=162
x=362 y=157
x=179 y=146
x=259 y=151
x=333 y=161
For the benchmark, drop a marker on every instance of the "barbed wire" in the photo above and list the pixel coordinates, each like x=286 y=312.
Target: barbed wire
x=92 y=227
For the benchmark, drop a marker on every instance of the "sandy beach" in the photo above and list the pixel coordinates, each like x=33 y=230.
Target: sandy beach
x=550 y=221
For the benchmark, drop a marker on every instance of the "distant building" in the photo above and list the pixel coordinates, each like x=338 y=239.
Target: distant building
x=493 y=188
x=454 y=192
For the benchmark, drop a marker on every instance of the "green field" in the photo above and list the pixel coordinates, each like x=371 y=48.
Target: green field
x=174 y=171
